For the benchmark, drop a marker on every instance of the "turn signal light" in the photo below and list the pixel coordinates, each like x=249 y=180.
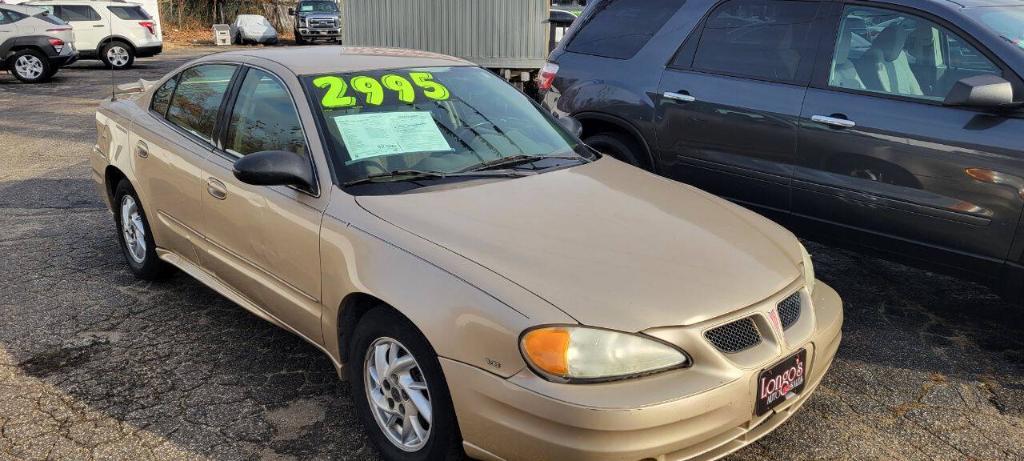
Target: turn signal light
x=548 y=349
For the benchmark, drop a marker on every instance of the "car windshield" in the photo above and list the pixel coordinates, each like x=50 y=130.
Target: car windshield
x=441 y=120
x=318 y=7
x=1006 y=21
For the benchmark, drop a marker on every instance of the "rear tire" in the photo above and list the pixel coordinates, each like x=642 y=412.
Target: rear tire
x=397 y=392
x=620 y=147
x=117 y=55
x=31 y=66
x=135 y=235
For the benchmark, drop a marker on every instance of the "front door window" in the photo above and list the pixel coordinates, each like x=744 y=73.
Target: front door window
x=894 y=53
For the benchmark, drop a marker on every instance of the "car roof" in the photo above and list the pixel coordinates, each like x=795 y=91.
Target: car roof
x=983 y=3
x=23 y=9
x=311 y=60
x=85 y=2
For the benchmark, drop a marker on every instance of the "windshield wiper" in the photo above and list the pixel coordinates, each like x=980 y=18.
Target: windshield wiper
x=520 y=159
x=412 y=175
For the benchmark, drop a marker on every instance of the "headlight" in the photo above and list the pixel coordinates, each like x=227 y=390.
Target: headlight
x=809 y=280
x=581 y=354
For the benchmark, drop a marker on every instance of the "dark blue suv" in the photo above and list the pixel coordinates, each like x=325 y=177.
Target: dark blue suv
x=891 y=126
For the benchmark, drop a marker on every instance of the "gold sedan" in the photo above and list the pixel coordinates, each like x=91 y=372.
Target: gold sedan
x=486 y=283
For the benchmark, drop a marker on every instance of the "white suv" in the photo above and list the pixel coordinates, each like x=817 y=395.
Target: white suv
x=33 y=44
x=115 y=32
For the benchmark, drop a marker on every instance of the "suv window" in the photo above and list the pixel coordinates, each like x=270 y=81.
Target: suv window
x=74 y=13
x=5 y=18
x=763 y=39
x=619 y=28
x=131 y=13
x=198 y=97
x=890 y=52
x=264 y=118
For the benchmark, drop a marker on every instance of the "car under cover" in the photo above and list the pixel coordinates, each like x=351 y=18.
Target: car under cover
x=605 y=239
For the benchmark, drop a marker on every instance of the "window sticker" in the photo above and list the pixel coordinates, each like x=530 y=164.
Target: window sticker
x=339 y=92
x=389 y=133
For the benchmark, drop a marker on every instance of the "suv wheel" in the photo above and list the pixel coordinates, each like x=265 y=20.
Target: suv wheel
x=400 y=392
x=135 y=235
x=31 y=66
x=618 y=146
x=117 y=55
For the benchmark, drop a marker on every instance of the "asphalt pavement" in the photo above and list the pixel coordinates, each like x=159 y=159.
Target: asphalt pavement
x=97 y=365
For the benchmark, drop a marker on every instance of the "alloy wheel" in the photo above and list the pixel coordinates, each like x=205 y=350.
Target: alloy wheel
x=117 y=56
x=398 y=394
x=29 y=66
x=133 y=229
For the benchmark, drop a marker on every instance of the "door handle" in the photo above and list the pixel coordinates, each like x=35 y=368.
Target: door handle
x=141 y=149
x=99 y=25
x=833 y=121
x=216 y=189
x=678 y=97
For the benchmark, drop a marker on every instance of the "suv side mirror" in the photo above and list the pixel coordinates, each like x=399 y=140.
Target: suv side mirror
x=571 y=125
x=275 y=168
x=981 y=91
x=291 y=11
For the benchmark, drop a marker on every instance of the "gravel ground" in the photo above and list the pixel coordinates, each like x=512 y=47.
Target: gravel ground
x=96 y=365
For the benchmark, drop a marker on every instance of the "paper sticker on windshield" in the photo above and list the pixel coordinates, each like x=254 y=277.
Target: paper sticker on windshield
x=388 y=133
x=342 y=93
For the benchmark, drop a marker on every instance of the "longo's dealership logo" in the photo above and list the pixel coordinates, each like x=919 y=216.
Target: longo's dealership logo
x=774 y=388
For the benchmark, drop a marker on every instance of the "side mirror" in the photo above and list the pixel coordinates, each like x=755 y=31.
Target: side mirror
x=291 y=11
x=982 y=91
x=275 y=168
x=571 y=125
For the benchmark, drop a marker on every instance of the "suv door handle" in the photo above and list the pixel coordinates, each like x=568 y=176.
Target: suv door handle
x=99 y=25
x=216 y=189
x=678 y=97
x=833 y=121
x=141 y=149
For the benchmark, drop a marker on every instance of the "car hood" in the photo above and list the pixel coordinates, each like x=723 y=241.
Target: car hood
x=608 y=244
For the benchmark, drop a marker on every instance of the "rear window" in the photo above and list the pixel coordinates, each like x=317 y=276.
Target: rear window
x=129 y=12
x=619 y=28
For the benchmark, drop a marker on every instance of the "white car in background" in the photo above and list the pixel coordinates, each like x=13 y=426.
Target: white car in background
x=115 y=32
x=253 y=28
x=33 y=44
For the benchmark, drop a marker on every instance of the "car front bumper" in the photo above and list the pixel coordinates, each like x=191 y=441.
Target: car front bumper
x=703 y=412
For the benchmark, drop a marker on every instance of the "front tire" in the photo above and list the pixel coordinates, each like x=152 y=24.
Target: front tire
x=135 y=235
x=618 y=146
x=31 y=66
x=117 y=55
x=400 y=392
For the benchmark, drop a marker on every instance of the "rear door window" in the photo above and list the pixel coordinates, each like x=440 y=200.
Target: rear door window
x=77 y=13
x=129 y=13
x=620 y=28
x=772 y=40
x=198 y=97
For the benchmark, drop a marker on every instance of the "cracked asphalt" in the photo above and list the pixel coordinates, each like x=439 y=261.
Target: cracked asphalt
x=97 y=365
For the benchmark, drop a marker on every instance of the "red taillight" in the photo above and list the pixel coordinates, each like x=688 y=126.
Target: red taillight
x=149 y=25
x=57 y=44
x=546 y=77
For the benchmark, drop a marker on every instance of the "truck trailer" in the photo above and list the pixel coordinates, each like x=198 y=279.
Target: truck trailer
x=510 y=37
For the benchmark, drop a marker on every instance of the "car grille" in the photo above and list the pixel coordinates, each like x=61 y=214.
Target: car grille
x=734 y=337
x=789 y=310
x=315 y=23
